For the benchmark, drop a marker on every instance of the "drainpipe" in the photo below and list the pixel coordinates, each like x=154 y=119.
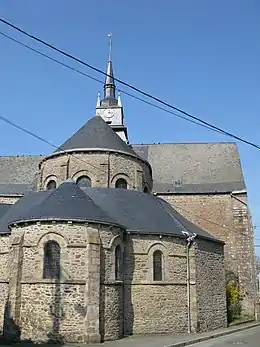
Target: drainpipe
x=189 y=238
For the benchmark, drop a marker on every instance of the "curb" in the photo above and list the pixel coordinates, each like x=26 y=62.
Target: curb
x=212 y=336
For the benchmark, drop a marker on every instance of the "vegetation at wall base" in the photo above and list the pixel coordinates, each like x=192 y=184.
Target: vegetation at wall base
x=233 y=298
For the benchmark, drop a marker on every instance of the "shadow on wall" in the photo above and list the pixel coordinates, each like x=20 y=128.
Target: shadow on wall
x=125 y=307
x=12 y=332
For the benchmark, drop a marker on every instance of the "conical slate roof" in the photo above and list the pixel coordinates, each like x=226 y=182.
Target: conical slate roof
x=67 y=202
x=96 y=133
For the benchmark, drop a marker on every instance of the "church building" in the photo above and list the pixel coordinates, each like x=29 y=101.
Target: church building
x=102 y=239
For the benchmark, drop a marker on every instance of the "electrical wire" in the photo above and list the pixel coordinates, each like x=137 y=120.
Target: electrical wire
x=99 y=81
x=128 y=85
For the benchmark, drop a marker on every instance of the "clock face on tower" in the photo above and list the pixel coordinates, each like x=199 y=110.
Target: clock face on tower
x=109 y=113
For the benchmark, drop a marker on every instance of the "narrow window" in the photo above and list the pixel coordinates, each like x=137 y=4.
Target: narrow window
x=51 y=265
x=146 y=189
x=51 y=185
x=157 y=265
x=118 y=263
x=84 y=181
x=121 y=183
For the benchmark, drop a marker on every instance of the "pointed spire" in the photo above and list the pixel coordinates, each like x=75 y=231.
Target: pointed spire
x=109 y=87
x=98 y=100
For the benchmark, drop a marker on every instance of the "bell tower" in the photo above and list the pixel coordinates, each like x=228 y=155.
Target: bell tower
x=110 y=107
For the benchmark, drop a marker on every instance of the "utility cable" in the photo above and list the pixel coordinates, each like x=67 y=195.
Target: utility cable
x=98 y=168
x=99 y=81
x=128 y=85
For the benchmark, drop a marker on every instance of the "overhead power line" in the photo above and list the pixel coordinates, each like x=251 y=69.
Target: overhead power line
x=102 y=82
x=130 y=86
x=98 y=168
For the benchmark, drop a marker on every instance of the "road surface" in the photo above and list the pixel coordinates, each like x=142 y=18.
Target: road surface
x=246 y=338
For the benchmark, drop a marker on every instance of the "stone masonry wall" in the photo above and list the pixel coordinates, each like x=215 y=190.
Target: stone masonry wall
x=155 y=307
x=46 y=309
x=111 y=296
x=210 y=286
x=103 y=168
x=77 y=307
x=4 y=257
x=228 y=220
x=245 y=249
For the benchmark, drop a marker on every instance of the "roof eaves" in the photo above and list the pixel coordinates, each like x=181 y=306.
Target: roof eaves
x=94 y=149
x=77 y=220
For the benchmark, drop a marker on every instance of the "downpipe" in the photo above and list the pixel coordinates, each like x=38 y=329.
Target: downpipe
x=189 y=239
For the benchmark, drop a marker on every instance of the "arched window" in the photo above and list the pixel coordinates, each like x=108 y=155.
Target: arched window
x=51 y=185
x=118 y=263
x=121 y=183
x=84 y=181
x=51 y=265
x=157 y=265
x=146 y=190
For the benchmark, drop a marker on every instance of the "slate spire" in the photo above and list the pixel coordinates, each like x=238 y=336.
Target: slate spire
x=109 y=86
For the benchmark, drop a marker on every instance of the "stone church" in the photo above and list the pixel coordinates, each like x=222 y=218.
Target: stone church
x=102 y=239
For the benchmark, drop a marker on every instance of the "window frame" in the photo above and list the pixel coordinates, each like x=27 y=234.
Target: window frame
x=52 y=271
x=158 y=265
x=50 y=182
x=122 y=180
x=118 y=263
x=88 y=179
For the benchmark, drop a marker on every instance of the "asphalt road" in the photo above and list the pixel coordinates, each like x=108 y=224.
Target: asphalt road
x=246 y=338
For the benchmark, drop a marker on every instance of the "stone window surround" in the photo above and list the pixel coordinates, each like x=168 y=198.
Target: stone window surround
x=158 y=246
x=49 y=179
x=116 y=241
x=51 y=236
x=125 y=177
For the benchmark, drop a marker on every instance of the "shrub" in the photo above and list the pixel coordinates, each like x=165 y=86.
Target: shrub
x=233 y=297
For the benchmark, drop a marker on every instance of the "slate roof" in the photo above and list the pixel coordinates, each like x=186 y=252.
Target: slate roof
x=143 y=213
x=198 y=167
x=194 y=167
x=18 y=174
x=97 y=134
x=3 y=209
x=67 y=202
x=135 y=211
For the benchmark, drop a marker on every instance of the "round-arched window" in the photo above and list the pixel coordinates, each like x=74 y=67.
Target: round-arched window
x=146 y=190
x=121 y=183
x=84 y=181
x=51 y=185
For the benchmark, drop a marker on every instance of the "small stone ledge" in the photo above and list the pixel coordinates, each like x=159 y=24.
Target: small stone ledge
x=113 y=283
x=49 y=281
x=159 y=283
x=77 y=245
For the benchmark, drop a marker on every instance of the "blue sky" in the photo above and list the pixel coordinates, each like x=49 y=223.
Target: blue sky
x=202 y=56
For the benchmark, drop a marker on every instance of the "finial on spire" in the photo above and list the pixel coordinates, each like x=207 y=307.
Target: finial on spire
x=110 y=46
